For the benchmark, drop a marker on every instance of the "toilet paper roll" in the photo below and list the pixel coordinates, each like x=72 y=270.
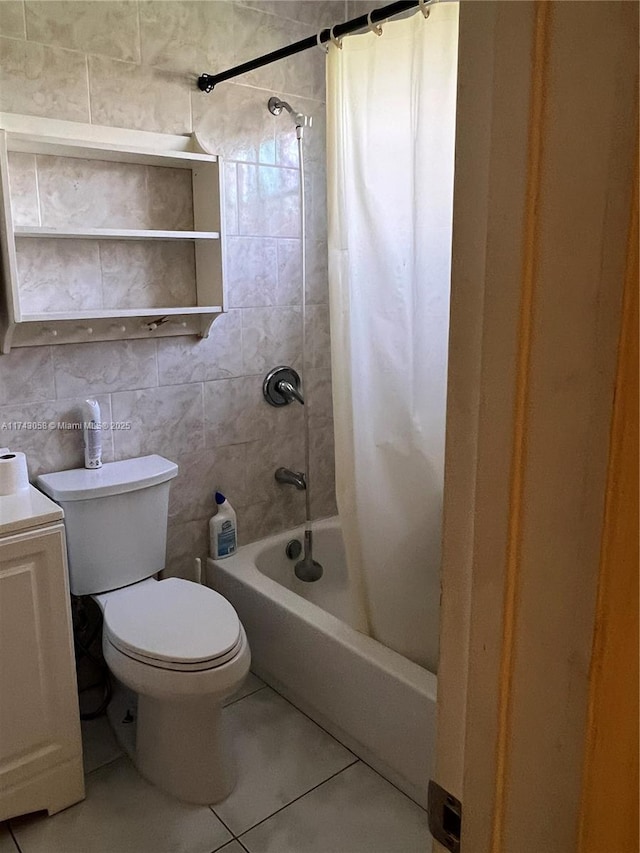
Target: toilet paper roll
x=14 y=477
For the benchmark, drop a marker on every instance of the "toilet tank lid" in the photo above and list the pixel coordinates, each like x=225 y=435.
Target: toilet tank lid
x=114 y=478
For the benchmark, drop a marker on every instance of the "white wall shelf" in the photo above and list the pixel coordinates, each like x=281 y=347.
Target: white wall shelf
x=24 y=324
x=114 y=314
x=112 y=233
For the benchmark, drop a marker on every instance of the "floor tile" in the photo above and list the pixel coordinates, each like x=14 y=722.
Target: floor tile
x=355 y=812
x=7 y=844
x=250 y=685
x=280 y=753
x=123 y=814
x=99 y=745
x=231 y=847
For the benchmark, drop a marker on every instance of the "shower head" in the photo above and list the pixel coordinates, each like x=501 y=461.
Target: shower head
x=275 y=106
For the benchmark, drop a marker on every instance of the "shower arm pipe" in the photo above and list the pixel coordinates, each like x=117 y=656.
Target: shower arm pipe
x=207 y=82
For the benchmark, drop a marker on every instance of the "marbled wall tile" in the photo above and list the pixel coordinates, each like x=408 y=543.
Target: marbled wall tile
x=104 y=366
x=355 y=8
x=148 y=274
x=91 y=193
x=202 y=473
x=322 y=487
x=316 y=208
x=12 y=18
x=26 y=375
x=299 y=75
x=234 y=121
x=264 y=457
x=188 y=359
x=170 y=199
x=319 y=397
x=185 y=541
x=24 y=188
x=165 y=420
x=268 y=201
x=235 y=412
x=303 y=74
x=317 y=272
x=58 y=275
x=289 y=272
x=318 y=337
x=186 y=36
x=318 y=13
x=51 y=449
x=252 y=277
x=230 y=191
x=270 y=336
x=43 y=81
x=155 y=100
x=258 y=520
x=109 y=28
x=102 y=194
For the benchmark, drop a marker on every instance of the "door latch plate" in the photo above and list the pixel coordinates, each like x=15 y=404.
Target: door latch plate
x=445 y=817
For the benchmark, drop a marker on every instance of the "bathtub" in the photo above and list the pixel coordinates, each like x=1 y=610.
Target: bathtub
x=376 y=702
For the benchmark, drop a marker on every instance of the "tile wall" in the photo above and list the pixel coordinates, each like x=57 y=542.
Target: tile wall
x=134 y=65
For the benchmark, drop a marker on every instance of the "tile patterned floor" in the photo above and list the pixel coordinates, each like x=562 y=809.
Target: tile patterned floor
x=299 y=791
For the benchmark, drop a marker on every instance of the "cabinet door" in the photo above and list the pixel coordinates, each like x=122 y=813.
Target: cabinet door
x=39 y=719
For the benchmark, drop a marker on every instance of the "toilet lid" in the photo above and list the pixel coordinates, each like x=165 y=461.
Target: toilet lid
x=172 y=622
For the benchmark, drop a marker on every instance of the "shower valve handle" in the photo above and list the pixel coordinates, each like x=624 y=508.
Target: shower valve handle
x=281 y=386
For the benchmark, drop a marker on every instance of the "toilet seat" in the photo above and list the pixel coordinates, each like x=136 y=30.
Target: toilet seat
x=172 y=624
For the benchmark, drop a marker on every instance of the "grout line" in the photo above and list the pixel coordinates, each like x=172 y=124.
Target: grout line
x=315 y=787
x=12 y=834
x=242 y=845
x=139 y=32
x=349 y=750
x=113 y=760
x=246 y=696
x=228 y=828
x=37 y=180
x=88 y=79
x=123 y=754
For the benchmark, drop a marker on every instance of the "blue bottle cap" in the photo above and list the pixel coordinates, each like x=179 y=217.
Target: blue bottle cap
x=220 y=498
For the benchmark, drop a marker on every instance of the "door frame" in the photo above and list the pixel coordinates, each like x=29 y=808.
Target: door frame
x=544 y=165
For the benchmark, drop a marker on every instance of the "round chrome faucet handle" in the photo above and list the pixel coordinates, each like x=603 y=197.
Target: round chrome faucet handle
x=281 y=386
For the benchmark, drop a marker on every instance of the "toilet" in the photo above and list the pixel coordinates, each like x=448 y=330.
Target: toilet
x=178 y=645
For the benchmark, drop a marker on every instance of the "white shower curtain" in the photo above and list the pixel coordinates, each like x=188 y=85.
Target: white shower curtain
x=391 y=124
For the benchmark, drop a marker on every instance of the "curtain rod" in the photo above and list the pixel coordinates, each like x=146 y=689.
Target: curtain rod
x=207 y=82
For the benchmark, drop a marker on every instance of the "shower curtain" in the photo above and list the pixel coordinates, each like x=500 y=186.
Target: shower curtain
x=391 y=103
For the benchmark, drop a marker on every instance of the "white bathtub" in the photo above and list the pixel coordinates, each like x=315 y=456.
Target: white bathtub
x=379 y=704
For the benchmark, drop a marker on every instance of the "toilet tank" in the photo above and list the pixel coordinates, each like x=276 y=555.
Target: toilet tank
x=116 y=520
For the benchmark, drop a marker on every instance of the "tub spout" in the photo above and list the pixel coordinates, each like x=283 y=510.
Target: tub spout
x=291 y=478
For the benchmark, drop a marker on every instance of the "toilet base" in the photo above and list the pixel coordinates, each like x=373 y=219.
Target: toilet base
x=182 y=747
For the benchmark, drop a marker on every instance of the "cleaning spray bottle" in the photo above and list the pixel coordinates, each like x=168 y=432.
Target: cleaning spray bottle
x=223 y=529
x=92 y=432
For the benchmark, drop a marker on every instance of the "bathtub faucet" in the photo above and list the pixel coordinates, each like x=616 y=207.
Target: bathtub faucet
x=289 y=391
x=291 y=478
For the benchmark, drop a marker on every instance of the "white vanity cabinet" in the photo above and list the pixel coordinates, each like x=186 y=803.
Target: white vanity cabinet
x=40 y=742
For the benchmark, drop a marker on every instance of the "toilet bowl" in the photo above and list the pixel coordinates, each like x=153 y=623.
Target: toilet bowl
x=178 y=645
